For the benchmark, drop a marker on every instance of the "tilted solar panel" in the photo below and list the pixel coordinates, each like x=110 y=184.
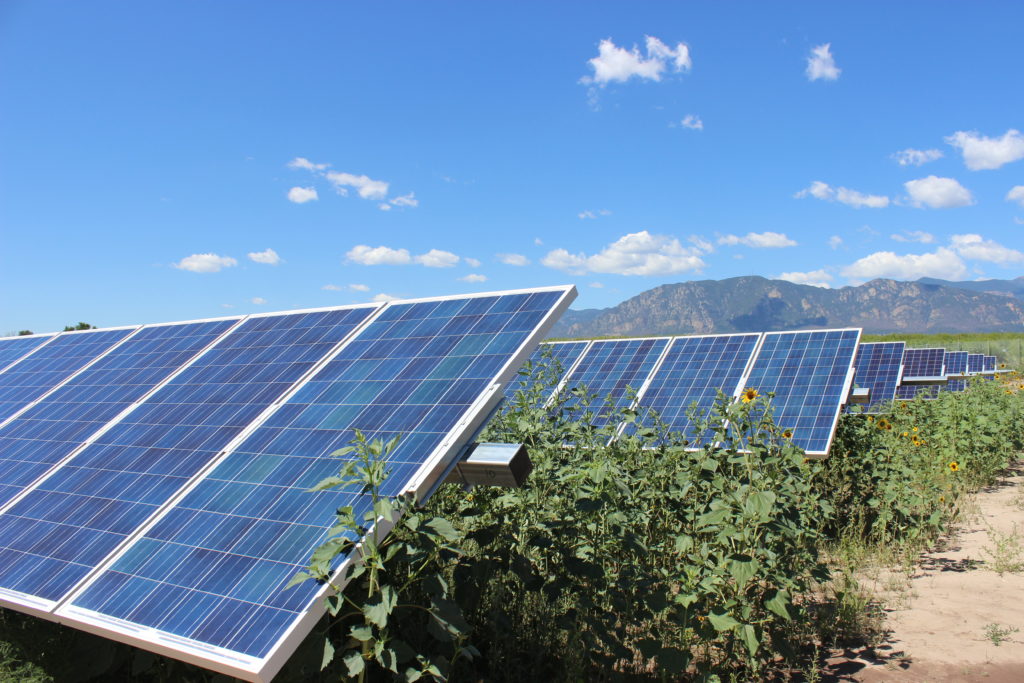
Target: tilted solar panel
x=14 y=348
x=956 y=362
x=922 y=364
x=693 y=371
x=877 y=368
x=975 y=363
x=550 y=362
x=907 y=392
x=64 y=527
x=204 y=580
x=989 y=364
x=612 y=369
x=955 y=385
x=810 y=373
x=52 y=364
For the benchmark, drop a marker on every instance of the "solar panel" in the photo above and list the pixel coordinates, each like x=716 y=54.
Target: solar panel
x=14 y=348
x=877 y=368
x=810 y=373
x=52 y=364
x=550 y=363
x=907 y=392
x=204 y=579
x=975 y=363
x=693 y=371
x=989 y=364
x=956 y=362
x=612 y=369
x=955 y=385
x=64 y=527
x=924 y=364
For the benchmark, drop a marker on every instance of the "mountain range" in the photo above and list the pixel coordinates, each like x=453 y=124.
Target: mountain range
x=752 y=304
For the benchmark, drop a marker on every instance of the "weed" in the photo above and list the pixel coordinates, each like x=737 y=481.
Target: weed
x=997 y=634
x=1006 y=551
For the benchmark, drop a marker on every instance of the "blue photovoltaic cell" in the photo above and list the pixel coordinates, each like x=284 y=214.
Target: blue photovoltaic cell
x=807 y=371
x=956 y=362
x=975 y=363
x=214 y=567
x=51 y=365
x=67 y=525
x=955 y=385
x=695 y=369
x=609 y=369
x=924 y=363
x=906 y=392
x=877 y=368
x=52 y=428
x=13 y=348
x=548 y=363
x=988 y=364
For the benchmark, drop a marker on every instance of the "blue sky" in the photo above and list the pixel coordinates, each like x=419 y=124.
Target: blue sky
x=181 y=160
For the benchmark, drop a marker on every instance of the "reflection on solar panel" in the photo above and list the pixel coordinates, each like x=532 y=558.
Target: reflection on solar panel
x=694 y=370
x=906 y=392
x=51 y=364
x=203 y=580
x=613 y=369
x=810 y=374
x=922 y=364
x=13 y=348
x=989 y=364
x=549 y=363
x=955 y=385
x=975 y=363
x=956 y=362
x=877 y=368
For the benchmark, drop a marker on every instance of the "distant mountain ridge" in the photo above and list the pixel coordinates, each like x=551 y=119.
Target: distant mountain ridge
x=752 y=304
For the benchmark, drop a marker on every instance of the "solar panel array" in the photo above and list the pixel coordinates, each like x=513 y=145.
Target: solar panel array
x=169 y=467
x=13 y=349
x=878 y=368
x=547 y=366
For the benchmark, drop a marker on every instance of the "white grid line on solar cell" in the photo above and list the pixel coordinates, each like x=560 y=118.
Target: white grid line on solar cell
x=811 y=416
x=241 y=331
x=228 y=660
x=16 y=352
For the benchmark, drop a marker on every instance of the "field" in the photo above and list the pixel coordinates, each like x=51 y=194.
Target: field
x=1007 y=346
x=642 y=559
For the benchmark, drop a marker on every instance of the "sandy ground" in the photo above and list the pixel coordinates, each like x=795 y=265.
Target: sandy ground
x=937 y=631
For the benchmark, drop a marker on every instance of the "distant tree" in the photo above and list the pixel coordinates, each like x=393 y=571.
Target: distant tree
x=80 y=326
x=22 y=333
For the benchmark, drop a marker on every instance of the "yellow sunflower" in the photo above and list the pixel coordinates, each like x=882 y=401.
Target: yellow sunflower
x=749 y=395
x=954 y=466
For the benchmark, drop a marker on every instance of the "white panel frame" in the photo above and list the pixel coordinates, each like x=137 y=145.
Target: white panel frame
x=233 y=663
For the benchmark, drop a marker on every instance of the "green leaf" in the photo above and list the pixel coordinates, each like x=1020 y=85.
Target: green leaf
x=328 y=654
x=713 y=517
x=353 y=660
x=742 y=568
x=443 y=528
x=361 y=632
x=377 y=613
x=673 y=660
x=760 y=503
x=750 y=639
x=779 y=604
x=683 y=544
x=722 y=621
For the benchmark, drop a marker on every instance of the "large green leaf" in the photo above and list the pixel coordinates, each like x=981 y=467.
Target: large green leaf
x=722 y=621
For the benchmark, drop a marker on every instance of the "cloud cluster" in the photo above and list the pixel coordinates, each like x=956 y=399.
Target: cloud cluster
x=363 y=185
x=693 y=122
x=945 y=262
x=268 y=257
x=938 y=193
x=814 y=278
x=758 y=240
x=984 y=153
x=977 y=248
x=1016 y=195
x=914 y=236
x=916 y=157
x=821 y=65
x=205 y=263
x=593 y=214
x=617 y=64
x=386 y=256
x=843 y=195
x=513 y=259
x=301 y=195
x=638 y=253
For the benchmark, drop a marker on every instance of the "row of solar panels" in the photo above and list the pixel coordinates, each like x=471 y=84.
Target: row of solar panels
x=810 y=373
x=154 y=480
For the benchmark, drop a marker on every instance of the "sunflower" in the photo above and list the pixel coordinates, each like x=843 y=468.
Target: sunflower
x=954 y=466
x=905 y=434
x=749 y=395
x=871 y=418
x=884 y=424
x=942 y=499
x=914 y=430
x=788 y=434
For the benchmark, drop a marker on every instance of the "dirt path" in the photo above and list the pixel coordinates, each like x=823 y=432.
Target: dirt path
x=943 y=629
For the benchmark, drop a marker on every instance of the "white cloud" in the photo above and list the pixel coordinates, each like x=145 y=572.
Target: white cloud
x=1016 y=195
x=1018 y=221
x=474 y=277
x=359 y=288
x=814 y=278
x=513 y=259
x=843 y=195
x=384 y=207
x=982 y=153
x=258 y=300
x=976 y=248
x=375 y=256
x=269 y=257
x=383 y=298
x=593 y=214
x=701 y=244
x=472 y=262
x=759 y=240
x=942 y=263
x=538 y=241
x=835 y=241
x=638 y=253
x=227 y=305
x=938 y=193
x=406 y=200
x=435 y=258
x=614 y=63
x=916 y=157
x=821 y=64
x=302 y=162
x=914 y=236
x=331 y=288
x=693 y=122
x=364 y=185
x=301 y=195
x=205 y=263
x=596 y=285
